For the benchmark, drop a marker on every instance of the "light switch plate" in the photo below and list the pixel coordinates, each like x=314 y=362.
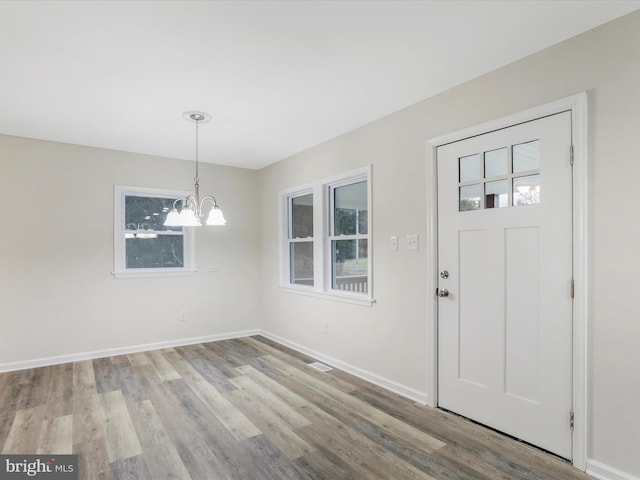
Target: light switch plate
x=393 y=244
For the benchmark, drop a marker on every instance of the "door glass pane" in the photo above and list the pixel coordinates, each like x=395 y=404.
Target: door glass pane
x=350 y=208
x=495 y=163
x=470 y=168
x=526 y=190
x=470 y=197
x=495 y=194
x=301 y=262
x=350 y=265
x=302 y=216
x=159 y=251
x=526 y=156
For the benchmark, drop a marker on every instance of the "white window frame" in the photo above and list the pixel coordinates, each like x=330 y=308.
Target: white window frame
x=322 y=228
x=289 y=235
x=331 y=237
x=120 y=269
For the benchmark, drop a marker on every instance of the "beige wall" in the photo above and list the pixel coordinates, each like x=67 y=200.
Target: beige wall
x=57 y=294
x=58 y=297
x=390 y=338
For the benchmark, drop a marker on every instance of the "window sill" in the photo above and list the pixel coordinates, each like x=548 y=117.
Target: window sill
x=337 y=297
x=153 y=273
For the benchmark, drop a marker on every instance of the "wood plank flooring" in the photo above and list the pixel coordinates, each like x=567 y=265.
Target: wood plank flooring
x=247 y=409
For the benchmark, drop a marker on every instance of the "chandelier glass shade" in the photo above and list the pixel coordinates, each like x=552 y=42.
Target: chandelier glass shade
x=192 y=213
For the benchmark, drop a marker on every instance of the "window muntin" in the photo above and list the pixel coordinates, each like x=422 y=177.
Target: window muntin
x=144 y=246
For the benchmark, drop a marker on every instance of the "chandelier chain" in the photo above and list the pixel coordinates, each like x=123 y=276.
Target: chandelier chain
x=197 y=176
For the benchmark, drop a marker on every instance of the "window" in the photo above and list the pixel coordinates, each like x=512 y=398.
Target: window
x=326 y=228
x=301 y=239
x=143 y=245
x=508 y=176
x=349 y=227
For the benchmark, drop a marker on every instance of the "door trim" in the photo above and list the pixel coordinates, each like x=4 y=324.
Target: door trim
x=577 y=104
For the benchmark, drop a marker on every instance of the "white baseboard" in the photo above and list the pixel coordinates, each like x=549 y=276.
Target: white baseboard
x=594 y=468
x=408 y=392
x=605 y=472
x=75 y=357
x=398 y=388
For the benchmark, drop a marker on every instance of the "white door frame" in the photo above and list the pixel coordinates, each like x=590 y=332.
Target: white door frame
x=577 y=104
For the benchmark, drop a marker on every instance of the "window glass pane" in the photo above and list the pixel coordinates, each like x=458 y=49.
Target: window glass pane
x=163 y=251
x=470 y=168
x=495 y=163
x=301 y=260
x=526 y=190
x=470 y=197
x=363 y=218
x=350 y=208
x=495 y=194
x=147 y=213
x=302 y=216
x=350 y=265
x=526 y=156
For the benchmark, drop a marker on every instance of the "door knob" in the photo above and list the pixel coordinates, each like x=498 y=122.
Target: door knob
x=442 y=293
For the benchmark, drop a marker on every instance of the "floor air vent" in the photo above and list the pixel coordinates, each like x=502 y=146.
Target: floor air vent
x=320 y=366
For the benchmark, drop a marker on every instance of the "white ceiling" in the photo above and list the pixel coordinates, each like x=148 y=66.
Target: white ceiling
x=277 y=76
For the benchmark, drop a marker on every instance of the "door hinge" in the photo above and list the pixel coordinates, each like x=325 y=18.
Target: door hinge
x=571 y=419
x=573 y=288
x=571 y=154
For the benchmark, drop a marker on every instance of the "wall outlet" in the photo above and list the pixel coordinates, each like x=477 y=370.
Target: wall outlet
x=325 y=327
x=412 y=242
x=393 y=244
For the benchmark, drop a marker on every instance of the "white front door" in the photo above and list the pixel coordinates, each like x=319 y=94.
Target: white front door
x=505 y=259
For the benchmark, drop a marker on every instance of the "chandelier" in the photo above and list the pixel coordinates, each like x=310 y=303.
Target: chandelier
x=192 y=213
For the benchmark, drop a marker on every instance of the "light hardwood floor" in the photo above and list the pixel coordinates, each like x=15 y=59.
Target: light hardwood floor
x=246 y=409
